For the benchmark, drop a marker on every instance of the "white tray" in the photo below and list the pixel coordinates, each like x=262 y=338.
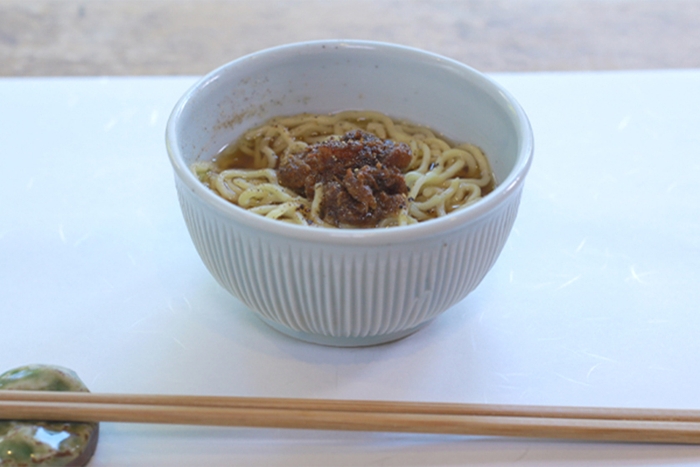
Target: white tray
x=594 y=300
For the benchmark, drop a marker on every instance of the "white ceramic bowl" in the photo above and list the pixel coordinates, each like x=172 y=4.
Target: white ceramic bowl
x=349 y=287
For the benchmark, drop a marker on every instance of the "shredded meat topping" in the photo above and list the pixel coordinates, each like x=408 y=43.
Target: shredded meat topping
x=361 y=176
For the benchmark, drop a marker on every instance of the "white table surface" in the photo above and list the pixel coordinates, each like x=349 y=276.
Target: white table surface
x=594 y=301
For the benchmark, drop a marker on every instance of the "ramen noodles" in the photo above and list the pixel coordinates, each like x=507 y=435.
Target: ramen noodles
x=350 y=169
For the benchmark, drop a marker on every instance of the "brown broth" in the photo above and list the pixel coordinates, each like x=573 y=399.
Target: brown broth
x=231 y=157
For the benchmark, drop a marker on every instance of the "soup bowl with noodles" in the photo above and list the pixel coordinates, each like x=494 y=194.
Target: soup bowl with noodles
x=348 y=192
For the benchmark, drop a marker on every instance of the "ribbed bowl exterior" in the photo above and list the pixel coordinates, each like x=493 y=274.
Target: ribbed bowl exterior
x=355 y=293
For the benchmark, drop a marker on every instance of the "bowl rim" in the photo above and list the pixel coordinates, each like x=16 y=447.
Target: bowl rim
x=370 y=236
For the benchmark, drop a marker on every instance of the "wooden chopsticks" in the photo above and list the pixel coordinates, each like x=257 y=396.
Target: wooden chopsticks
x=593 y=424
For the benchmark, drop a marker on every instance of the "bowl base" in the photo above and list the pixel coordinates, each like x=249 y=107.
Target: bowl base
x=333 y=341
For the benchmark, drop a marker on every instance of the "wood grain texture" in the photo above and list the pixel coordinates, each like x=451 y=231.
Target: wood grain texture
x=594 y=424
x=171 y=37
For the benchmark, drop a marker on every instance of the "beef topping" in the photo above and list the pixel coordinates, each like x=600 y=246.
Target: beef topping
x=361 y=175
